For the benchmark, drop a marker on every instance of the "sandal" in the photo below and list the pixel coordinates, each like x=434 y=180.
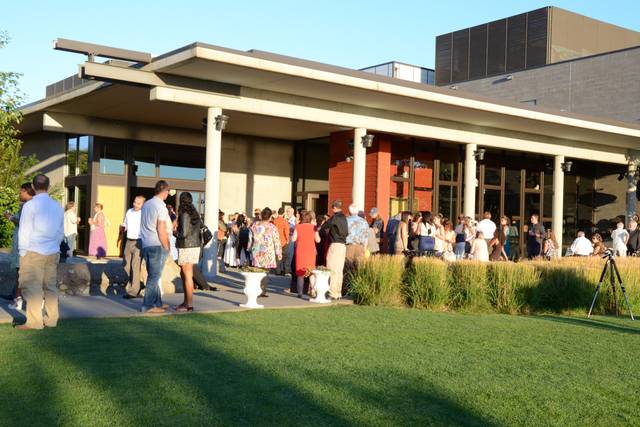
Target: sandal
x=183 y=308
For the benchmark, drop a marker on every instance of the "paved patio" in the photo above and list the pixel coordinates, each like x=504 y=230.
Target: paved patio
x=227 y=298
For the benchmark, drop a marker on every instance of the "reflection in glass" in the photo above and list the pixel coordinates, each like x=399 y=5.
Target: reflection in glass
x=112 y=159
x=548 y=196
x=186 y=163
x=492 y=204
x=512 y=192
x=448 y=171
x=492 y=176
x=72 y=156
x=83 y=155
x=531 y=205
x=144 y=160
x=81 y=211
x=447 y=201
x=532 y=180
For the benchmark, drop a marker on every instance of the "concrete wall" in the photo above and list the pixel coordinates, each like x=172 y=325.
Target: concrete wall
x=49 y=148
x=600 y=86
x=256 y=173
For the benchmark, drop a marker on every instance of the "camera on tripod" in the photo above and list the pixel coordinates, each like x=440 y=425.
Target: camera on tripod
x=609 y=253
x=615 y=280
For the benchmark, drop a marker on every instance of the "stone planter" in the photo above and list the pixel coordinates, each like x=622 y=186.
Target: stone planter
x=322 y=286
x=252 y=289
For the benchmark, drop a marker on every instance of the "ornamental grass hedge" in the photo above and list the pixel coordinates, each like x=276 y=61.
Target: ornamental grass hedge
x=562 y=286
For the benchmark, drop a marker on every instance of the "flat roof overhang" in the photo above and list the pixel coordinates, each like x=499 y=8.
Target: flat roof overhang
x=259 y=74
x=277 y=73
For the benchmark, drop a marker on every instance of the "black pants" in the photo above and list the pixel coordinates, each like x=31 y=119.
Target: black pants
x=221 y=245
x=284 y=266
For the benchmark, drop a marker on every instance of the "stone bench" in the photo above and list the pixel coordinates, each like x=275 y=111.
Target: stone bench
x=81 y=276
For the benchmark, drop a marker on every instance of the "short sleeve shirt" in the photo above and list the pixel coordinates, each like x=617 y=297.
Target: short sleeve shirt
x=153 y=210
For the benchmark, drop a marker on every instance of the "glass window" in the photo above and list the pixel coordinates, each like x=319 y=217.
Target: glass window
x=448 y=201
x=491 y=203
x=492 y=176
x=448 y=171
x=112 y=159
x=144 y=160
x=512 y=192
x=548 y=195
x=83 y=155
x=532 y=180
x=71 y=194
x=72 y=156
x=183 y=163
x=531 y=204
x=81 y=211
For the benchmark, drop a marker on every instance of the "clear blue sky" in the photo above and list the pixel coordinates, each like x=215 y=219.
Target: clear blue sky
x=348 y=33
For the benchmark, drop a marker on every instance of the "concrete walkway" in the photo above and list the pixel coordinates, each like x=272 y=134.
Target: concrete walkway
x=227 y=298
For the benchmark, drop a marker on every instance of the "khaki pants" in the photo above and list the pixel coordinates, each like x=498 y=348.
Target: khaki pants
x=132 y=262
x=335 y=262
x=38 y=277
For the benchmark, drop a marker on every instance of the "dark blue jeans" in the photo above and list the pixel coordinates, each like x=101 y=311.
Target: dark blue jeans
x=154 y=257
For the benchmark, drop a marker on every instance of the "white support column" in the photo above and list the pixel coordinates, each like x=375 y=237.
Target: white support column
x=359 y=168
x=212 y=190
x=469 y=194
x=557 y=204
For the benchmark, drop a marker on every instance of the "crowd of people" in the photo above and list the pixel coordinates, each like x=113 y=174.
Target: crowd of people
x=285 y=241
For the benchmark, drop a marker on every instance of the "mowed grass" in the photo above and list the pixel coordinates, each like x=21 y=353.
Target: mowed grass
x=328 y=366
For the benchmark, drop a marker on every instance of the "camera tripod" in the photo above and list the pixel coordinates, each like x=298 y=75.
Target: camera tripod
x=614 y=274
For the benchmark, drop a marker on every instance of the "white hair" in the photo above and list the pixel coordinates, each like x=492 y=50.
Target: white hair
x=353 y=209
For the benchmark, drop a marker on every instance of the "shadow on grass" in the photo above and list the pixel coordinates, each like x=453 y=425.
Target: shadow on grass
x=593 y=323
x=170 y=371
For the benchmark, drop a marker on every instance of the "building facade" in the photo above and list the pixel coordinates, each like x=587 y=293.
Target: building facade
x=588 y=67
x=520 y=42
x=303 y=133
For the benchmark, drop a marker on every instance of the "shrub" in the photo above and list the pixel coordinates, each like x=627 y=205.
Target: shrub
x=468 y=283
x=426 y=284
x=563 y=286
x=378 y=281
x=510 y=286
x=8 y=202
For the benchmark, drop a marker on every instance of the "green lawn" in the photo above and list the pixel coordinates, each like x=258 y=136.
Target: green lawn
x=329 y=366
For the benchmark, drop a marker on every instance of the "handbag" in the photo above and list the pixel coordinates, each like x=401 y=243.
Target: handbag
x=205 y=235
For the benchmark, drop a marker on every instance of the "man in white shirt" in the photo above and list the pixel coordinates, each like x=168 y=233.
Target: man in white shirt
x=154 y=238
x=581 y=246
x=132 y=247
x=40 y=234
x=487 y=227
x=71 y=222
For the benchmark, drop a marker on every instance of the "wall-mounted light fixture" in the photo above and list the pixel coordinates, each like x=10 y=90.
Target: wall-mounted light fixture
x=479 y=154
x=348 y=159
x=221 y=121
x=566 y=166
x=367 y=141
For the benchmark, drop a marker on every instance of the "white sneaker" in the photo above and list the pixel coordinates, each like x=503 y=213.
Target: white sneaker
x=17 y=304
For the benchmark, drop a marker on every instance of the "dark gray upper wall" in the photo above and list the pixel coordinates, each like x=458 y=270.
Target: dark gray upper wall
x=606 y=86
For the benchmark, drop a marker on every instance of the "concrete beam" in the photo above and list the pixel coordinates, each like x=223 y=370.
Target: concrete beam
x=128 y=75
x=397 y=123
x=72 y=123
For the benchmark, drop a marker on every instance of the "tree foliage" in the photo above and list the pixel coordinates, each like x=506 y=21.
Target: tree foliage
x=13 y=165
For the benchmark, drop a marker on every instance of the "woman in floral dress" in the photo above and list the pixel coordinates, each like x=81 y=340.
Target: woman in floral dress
x=265 y=248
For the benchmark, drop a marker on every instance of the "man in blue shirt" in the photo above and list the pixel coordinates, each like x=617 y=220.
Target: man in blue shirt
x=154 y=237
